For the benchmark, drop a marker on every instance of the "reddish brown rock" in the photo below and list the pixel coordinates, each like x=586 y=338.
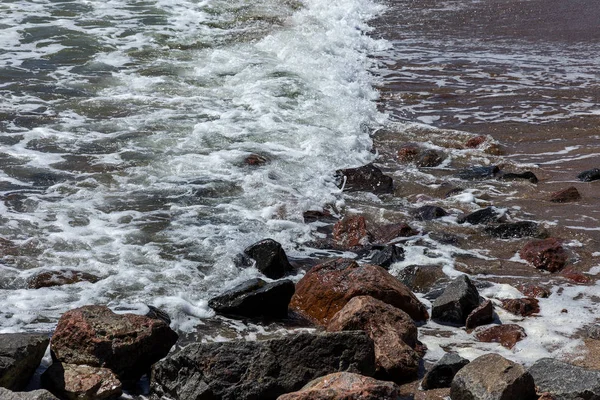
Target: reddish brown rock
x=351 y=232
x=545 y=254
x=81 y=382
x=483 y=314
x=327 y=287
x=127 y=344
x=523 y=307
x=256 y=160
x=345 y=386
x=393 y=332
x=475 y=141
x=408 y=152
x=59 y=278
x=566 y=195
x=386 y=233
x=507 y=335
x=531 y=290
x=575 y=276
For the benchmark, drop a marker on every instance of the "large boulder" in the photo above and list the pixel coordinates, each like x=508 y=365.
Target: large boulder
x=327 y=287
x=127 y=344
x=492 y=377
x=255 y=298
x=548 y=254
x=393 y=332
x=456 y=302
x=81 y=382
x=40 y=394
x=269 y=257
x=367 y=178
x=20 y=355
x=443 y=371
x=260 y=369
x=565 y=381
x=345 y=386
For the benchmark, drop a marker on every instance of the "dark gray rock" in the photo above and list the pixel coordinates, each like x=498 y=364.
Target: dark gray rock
x=492 y=377
x=442 y=373
x=20 y=355
x=511 y=230
x=565 y=381
x=157 y=313
x=475 y=173
x=260 y=370
x=429 y=158
x=41 y=394
x=387 y=256
x=255 y=298
x=483 y=216
x=270 y=258
x=427 y=213
x=458 y=300
x=367 y=178
x=528 y=175
x=589 y=175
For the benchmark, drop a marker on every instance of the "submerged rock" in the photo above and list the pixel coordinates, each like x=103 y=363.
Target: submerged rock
x=565 y=381
x=442 y=373
x=513 y=230
x=367 y=178
x=589 y=175
x=483 y=216
x=547 y=254
x=566 y=195
x=428 y=213
x=527 y=175
x=270 y=258
x=351 y=232
x=476 y=173
x=59 y=278
x=81 y=382
x=507 y=335
x=429 y=158
x=20 y=355
x=408 y=152
x=456 y=302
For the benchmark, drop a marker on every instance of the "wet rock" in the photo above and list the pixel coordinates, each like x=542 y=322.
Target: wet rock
x=157 y=313
x=260 y=369
x=408 y=152
x=421 y=278
x=532 y=290
x=386 y=233
x=566 y=195
x=367 y=178
x=546 y=254
x=327 y=287
x=512 y=230
x=589 y=175
x=442 y=373
x=81 y=382
x=477 y=173
x=475 y=142
x=481 y=315
x=483 y=216
x=393 y=332
x=20 y=355
x=127 y=344
x=523 y=307
x=318 y=216
x=270 y=258
x=429 y=158
x=453 y=192
x=256 y=160
x=387 y=256
x=40 y=394
x=492 y=377
x=255 y=298
x=456 y=302
x=527 y=175
x=427 y=213
x=351 y=232
x=345 y=386
x=59 y=278
x=575 y=276
x=507 y=335
x=565 y=381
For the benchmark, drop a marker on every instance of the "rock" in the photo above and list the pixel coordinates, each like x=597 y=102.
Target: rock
x=351 y=232
x=318 y=216
x=59 y=278
x=453 y=192
x=81 y=382
x=507 y=335
x=575 y=276
x=157 y=313
x=492 y=377
x=393 y=332
x=442 y=373
x=367 y=178
x=589 y=175
x=531 y=290
x=523 y=307
x=387 y=256
x=40 y=394
x=482 y=315
x=545 y=254
x=20 y=355
x=475 y=141
x=270 y=258
x=456 y=302
x=327 y=287
x=386 y=233
x=256 y=160
x=421 y=278
x=408 y=152
x=345 y=386
x=429 y=158
x=427 y=213
x=127 y=344
x=483 y=216
x=565 y=381
x=260 y=369
x=566 y=195
x=528 y=175
x=511 y=230
x=476 y=173
x=255 y=298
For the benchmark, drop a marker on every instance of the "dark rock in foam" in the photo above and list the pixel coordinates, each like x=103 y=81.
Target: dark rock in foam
x=589 y=175
x=510 y=230
x=387 y=256
x=427 y=213
x=484 y=216
x=458 y=300
x=367 y=178
x=270 y=258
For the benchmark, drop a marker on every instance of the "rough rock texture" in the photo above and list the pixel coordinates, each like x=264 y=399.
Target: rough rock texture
x=408 y=152
x=507 y=335
x=386 y=233
x=456 y=302
x=367 y=178
x=547 y=254
x=351 y=232
x=565 y=381
x=41 y=394
x=566 y=195
x=327 y=287
x=442 y=373
x=81 y=382
x=387 y=256
x=393 y=332
x=589 y=175
x=427 y=213
x=421 y=278
x=429 y=158
x=528 y=175
x=262 y=369
x=270 y=258
x=512 y=230
x=523 y=307
x=481 y=315
x=127 y=344
x=532 y=290
x=256 y=160
x=345 y=386
x=492 y=377
x=59 y=278
x=255 y=298
x=20 y=355
x=475 y=173
x=483 y=216
x=475 y=141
